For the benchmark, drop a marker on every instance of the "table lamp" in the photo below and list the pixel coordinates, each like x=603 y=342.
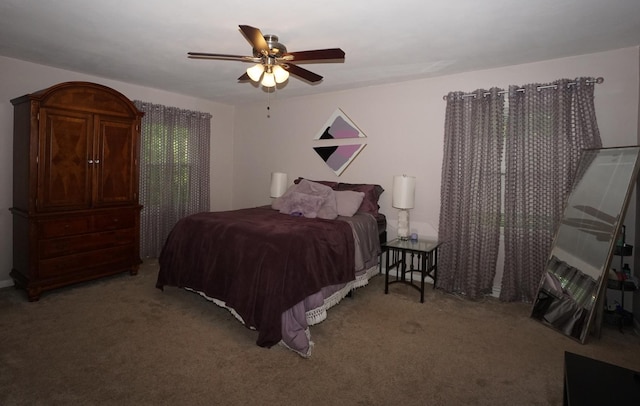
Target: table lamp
x=278 y=184
x=404 y=192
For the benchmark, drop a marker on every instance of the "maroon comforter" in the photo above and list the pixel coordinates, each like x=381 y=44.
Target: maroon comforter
x=258 y=261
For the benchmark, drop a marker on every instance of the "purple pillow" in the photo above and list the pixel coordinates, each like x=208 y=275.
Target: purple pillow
x=329 y=208
x=310 y=199
x=303 y=204
x=371 y=195
x=329 y=183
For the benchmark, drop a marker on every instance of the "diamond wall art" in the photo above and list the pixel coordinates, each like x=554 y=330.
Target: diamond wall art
x=338 y=156
x=339 y=126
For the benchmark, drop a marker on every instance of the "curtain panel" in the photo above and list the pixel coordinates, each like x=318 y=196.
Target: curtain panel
x=548 y=126
x=470 y=211
x=174 y=170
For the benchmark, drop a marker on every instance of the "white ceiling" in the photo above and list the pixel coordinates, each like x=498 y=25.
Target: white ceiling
x=145 y=42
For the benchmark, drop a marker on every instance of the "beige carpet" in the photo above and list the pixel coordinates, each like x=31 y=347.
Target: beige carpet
x=121 y=341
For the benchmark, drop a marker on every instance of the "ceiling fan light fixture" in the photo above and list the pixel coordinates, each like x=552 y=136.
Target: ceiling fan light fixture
x=272 y=63
x=268 y=80
x=281 y=74
x=255 y=72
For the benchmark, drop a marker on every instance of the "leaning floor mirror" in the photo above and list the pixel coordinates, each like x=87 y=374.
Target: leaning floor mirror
x=577 y=270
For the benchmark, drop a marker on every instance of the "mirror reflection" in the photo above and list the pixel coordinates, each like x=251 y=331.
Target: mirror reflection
x=584 y=243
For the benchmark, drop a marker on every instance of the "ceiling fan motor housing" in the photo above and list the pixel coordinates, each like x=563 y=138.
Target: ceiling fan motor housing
x=276 y=49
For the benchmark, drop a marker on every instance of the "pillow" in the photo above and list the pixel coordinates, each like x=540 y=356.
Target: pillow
x=279 y=202
x=329 y=183
x=371 y=195
x=329 y=208
x=302 y=204
x=348 y=202
x=293 y=200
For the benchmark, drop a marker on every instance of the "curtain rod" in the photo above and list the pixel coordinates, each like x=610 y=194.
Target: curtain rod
x=598 y=81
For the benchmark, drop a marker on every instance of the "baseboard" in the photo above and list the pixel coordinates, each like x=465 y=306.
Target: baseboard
x=6 y=283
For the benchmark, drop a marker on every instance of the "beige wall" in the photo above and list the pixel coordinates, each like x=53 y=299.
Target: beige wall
x=404 y=126
x=19 y=78
x=403 y=123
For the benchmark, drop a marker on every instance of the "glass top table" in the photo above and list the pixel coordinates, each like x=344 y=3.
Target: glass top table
x=400 y=254
x=424 y=245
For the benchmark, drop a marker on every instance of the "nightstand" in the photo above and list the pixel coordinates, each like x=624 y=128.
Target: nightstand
x=408 y=258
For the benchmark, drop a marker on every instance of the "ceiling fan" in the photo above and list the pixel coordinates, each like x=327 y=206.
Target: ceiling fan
x=273 y=63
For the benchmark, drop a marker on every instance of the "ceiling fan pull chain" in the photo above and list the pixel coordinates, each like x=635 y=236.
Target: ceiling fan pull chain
x=268 y=102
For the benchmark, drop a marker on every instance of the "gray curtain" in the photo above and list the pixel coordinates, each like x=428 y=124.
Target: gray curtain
x=548 y=126
x=174 y=170
x=470 y=207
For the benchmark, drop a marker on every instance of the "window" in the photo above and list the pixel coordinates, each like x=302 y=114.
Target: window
x=174 y=170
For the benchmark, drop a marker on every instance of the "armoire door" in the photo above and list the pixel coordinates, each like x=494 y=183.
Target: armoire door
x=115 y=162
x=64 y=175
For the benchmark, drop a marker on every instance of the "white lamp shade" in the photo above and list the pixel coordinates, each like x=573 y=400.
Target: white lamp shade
x=268 y=80
x=255 y=72
x=404 y=192
x=280 y=74
x=279 y=183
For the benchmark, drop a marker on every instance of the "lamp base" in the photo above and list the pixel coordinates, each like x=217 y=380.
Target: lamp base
x=403 y=225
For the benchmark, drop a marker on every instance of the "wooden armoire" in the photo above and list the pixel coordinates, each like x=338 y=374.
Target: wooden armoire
x=76 y=215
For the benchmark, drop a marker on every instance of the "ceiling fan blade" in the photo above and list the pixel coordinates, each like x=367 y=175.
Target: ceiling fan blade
x=227 y=57
x=302 y=73
x=256 y=38
x=244 y=77
x=315 y=55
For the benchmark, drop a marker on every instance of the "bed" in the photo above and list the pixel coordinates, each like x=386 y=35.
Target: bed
x=279 y=268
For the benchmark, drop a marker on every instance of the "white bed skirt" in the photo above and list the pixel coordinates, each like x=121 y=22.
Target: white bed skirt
x=295 y=329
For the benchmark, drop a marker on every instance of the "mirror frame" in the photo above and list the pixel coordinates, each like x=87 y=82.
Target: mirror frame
x=600 y=288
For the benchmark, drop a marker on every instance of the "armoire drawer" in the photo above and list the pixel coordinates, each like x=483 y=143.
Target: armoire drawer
x=74 y=225
x=115 y=221
x=56 y=247
x=84 y=262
